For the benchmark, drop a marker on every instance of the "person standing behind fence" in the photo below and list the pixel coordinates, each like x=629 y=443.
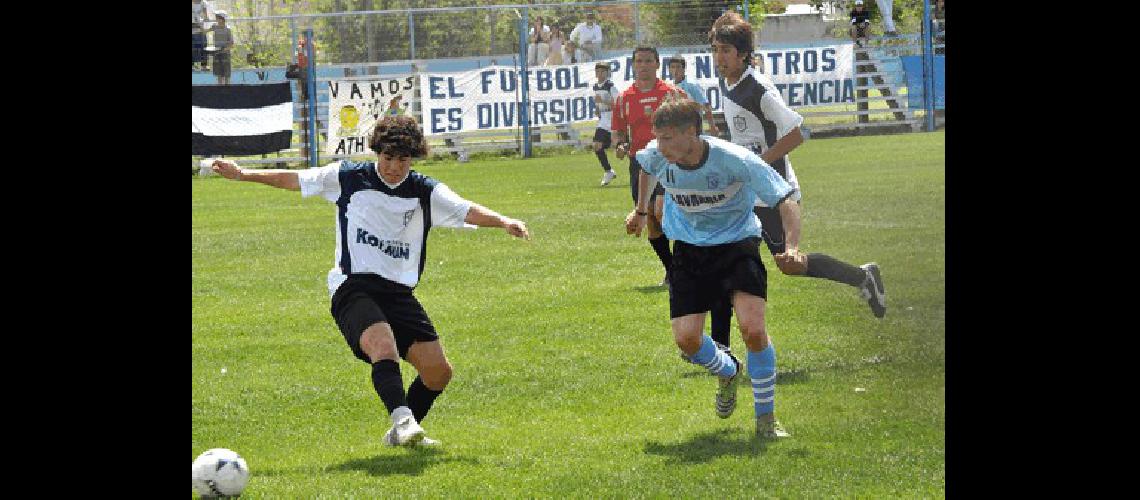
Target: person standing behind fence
x=200 y=10
x=604 y=95
x=860 y=22
x=554 y=58
x=223 y=46
x=885 y=8
x=539 y=39
x=587 y=38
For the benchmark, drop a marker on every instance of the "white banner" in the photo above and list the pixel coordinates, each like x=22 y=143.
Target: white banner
x=488 y=98
x=354 y=107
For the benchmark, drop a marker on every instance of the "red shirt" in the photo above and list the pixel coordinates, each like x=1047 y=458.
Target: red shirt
x=634 y=108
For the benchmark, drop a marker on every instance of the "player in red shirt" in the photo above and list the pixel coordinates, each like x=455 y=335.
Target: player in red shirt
x=633 y=117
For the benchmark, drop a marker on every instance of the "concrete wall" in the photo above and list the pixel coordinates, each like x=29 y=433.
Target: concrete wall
x=782 y=28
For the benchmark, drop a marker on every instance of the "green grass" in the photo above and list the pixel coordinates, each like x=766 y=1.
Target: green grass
x=567 y=382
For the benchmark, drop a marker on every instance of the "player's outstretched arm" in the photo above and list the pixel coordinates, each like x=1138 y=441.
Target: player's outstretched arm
x=284 y=179
x=484 y=217
x=635 y=221
x=790 y=215
x=783 y=146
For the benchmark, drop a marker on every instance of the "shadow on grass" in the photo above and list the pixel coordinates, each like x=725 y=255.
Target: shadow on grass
x=651 y=288
x=411 y=463
x=710 y=445
x=790 y=376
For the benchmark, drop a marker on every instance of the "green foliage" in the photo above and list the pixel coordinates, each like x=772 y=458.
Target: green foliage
x=567 y=382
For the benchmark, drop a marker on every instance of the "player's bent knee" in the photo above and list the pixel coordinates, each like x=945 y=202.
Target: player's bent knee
x=437 y=376
x=597 y=146
x=688 y=343
x=755 y=335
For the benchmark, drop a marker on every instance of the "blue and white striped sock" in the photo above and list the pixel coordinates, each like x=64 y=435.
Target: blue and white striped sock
x=716 y=361
x=762 y=371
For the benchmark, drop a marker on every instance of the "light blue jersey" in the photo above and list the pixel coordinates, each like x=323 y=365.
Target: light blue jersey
x=712 y=203
x=694 y=91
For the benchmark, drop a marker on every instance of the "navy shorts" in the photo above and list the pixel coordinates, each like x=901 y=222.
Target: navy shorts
x=366 y=299
x=701 y=276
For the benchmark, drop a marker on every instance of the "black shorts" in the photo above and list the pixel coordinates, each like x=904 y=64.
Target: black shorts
x=634 y=170
x=702 y=276
x=365 y=299
x=602 y=136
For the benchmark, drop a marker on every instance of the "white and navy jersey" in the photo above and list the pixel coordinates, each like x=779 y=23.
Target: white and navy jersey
x=757 y=117
x=381 y=229
x=711 y=203
x=607 y=93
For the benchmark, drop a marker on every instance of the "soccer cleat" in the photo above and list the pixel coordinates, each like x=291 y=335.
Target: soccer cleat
x=607 y=177
x=770 y=429
x=726 y=392
x=390 y=440
x=405 y=430
x=873 y=290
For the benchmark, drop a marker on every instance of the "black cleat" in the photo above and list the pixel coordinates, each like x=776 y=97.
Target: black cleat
x=873 y=290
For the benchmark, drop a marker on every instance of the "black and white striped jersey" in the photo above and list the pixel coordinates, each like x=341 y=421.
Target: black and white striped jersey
x=382 y=229
x=607 y=93
x=757 y=117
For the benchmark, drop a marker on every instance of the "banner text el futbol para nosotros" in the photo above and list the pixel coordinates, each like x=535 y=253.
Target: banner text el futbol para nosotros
x=489 y=98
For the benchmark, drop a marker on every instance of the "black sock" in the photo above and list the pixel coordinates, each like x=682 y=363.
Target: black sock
x=827 y=267
x=388 y=384
x=420 y=398
x=660 y=245
x=601 y=154
x=721 y=319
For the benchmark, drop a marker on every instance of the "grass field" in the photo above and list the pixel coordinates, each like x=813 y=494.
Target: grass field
x=567 y=382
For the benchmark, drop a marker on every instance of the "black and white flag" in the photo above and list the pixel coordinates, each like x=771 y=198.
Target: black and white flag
x=241 y=119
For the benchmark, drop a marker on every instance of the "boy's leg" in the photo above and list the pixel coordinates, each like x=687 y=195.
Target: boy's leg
x=434 y=373
x=689 y=299
x=750 y=311
x=866 y=278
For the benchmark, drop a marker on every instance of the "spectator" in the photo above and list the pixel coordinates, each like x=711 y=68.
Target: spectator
x=556 y=42
x=201 y=14
x=303 y=67
x=394 y=107
x=223 y=46
x=569 y=52
x=587 y=38
x=888 y=20
x=539 y=39
x=860 y=21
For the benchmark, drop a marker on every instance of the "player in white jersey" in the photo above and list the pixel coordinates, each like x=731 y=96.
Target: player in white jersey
x=758 y=118
x=384 y=213
x=710 y=188
x=604 y=95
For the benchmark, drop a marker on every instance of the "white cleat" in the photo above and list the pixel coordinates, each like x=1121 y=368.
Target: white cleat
x=608 y=177
x=405 y=430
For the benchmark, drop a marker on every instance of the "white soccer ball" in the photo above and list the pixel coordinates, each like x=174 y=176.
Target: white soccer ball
x=219 y=473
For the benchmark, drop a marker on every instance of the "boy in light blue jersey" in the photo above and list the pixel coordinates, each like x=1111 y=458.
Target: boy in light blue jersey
x=694 y=91
x=710 y=188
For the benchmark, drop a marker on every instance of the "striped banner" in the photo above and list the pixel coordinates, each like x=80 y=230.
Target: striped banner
x=241 y=119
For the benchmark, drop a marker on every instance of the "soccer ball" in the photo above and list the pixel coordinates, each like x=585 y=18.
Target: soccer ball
x=219 y=473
